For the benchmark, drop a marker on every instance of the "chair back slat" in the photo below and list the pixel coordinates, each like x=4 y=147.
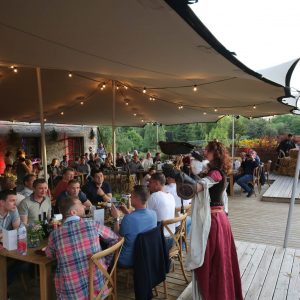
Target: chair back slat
x=109 y=287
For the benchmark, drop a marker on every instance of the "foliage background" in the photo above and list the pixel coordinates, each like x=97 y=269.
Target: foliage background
x=260 y=132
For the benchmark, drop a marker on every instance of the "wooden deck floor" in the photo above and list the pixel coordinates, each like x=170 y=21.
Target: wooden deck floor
x=281 y=190
x=267 y=272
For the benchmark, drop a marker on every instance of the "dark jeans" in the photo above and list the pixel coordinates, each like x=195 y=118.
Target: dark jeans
x=242 y=181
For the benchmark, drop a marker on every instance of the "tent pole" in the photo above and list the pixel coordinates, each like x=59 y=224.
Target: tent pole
x=114 y=121
x=232 y=141
x=156 y=137
x=41 y=106
x=292 y=202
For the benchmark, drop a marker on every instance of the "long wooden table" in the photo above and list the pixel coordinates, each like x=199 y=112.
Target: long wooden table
x=43 y=262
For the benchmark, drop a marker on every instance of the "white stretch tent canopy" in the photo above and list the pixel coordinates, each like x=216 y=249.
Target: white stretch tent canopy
x=139 y=44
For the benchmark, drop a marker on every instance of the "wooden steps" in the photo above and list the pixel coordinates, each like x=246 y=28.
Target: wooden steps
x=281 y=190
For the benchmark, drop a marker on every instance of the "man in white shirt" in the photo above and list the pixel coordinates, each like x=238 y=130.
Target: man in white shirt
x=147 y=162
x=162 y=203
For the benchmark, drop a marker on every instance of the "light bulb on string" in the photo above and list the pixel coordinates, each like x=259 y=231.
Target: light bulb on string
x=195 y=88
x=180 y=107
x=142 y=121
x=15 y=70
x=45 y=120
x=125 y=87
x=70 y=75
x=12 y=67
x=144 y=90
x=117 y=87
x=204 y=113
x=103 y=85
x=81 y=102
x=134 y=114
x=62 y=113
x=215 y=110
x=254 y=106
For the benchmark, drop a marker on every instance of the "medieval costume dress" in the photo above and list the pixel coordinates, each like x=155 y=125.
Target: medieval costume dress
x=212 y=256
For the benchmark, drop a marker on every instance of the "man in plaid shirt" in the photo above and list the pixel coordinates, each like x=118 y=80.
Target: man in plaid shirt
x=72 y=245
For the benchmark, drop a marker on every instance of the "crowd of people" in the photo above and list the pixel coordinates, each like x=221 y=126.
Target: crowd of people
x=26 y=196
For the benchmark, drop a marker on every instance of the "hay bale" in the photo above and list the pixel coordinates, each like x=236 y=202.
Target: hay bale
x=293 y=153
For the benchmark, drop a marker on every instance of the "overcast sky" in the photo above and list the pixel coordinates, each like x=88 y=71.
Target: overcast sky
x=262 y=33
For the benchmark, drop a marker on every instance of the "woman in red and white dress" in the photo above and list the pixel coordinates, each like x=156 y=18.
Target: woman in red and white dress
x=213 y=258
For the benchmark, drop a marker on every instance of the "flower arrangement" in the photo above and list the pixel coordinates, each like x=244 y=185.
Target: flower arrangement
x=35 y=234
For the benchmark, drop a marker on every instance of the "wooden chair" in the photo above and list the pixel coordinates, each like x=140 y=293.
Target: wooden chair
x=187 y=210
x=255 y=181
x=176 y=249
x=267 y=170
x=110 y=280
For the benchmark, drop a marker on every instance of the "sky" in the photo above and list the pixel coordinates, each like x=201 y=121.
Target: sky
x=262 y=33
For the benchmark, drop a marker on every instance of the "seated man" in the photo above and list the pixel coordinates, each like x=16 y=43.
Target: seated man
x=97 y=190
x=138 y=221
x=67 y=175
x=36 y=204
x=135 y=164
x=247 y=167
x=83 y=166
x=9 y=215
x=9 y=183
x=73 y=190
x=162 y=203
x=28 y=182
x=72 y=244
x=171 y=188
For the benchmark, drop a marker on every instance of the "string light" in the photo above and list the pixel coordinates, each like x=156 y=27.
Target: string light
x=12 y=67
x=195 y=88
x=62 y=113
x=126 y=87
x=15 y=70
x=205 y=113
x=180 y=107
x=152 y=99
x=254 y=106
x=103 y=85
x=70 y=75
x=215 y=110
x=134 y=114
x=117 y=87
x=45 y=120
x=81 y=102
x=144 y=90
x=142 y=121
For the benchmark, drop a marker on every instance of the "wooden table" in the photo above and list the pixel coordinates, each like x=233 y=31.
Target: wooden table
x=43 y=262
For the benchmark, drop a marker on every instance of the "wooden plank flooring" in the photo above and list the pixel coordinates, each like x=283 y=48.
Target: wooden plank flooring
x=267 y=272
x=281 y=190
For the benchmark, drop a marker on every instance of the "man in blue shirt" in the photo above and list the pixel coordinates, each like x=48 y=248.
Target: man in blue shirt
x=73 y=190
x=140 y=220
x=97 y=190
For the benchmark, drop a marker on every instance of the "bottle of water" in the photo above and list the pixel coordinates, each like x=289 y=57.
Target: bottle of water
x=22 y=239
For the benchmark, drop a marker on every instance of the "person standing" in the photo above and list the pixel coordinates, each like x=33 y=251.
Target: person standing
x=147 y=162
x=213 y=260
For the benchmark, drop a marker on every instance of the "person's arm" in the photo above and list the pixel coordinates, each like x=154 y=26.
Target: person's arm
x=23 y=212
x=50 y=249
x=27 y=168
x=116 y=215
x=16 y=220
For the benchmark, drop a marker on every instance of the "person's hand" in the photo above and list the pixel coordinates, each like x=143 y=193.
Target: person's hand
x=100 y=192
x=124 y=209
x=114 y=211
